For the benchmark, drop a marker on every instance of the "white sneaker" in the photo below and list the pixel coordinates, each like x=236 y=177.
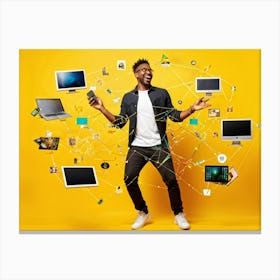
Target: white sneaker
x=181 y=221
x=141 y=220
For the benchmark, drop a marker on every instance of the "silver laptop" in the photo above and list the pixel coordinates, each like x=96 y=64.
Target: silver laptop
x=51 y=108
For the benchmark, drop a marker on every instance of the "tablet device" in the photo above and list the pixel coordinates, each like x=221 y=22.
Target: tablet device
x=79 y=176
x=216 y=173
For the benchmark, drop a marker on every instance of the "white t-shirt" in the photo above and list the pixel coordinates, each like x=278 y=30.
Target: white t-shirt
x=147 y=134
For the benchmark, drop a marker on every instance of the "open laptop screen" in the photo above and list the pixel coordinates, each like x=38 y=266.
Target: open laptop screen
x=50 y=105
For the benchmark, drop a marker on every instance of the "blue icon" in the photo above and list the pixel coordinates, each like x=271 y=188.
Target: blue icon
x=194 y=121
x=82 y=121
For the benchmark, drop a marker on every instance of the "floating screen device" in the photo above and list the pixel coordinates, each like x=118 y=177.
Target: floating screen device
x=47 y=143
x=216 y=173
x=51 y=108
x=79 y=176
x=236 y=129
x=70 y=80
x=207 y=84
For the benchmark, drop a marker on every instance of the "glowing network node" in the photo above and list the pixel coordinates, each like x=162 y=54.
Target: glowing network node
x=206 y=192
x=222 y=158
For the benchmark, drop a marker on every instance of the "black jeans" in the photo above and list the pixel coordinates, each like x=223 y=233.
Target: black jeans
x=160 y=157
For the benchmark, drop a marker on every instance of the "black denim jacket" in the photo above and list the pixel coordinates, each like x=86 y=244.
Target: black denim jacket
x=162 y=106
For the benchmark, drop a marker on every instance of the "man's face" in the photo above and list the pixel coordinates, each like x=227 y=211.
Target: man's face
x=144 y=74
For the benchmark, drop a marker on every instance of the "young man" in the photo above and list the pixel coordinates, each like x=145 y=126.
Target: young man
x=147 y=108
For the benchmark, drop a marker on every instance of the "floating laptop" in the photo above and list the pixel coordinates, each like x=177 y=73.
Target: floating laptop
x=79 y=176
x=51 y=109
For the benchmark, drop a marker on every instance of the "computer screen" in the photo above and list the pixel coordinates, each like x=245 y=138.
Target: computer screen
x=70 y=80
x=49 y=105
x=207 y=84
x=79 y=176
x=216 y=173
x=236 y=129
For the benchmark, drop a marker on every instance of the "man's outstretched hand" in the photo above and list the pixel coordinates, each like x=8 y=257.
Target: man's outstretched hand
x=200 y=104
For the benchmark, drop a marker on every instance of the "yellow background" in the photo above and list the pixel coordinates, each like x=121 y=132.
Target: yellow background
x=45 y=204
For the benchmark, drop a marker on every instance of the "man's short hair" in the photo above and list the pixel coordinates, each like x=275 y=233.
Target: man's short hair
x=139 y=62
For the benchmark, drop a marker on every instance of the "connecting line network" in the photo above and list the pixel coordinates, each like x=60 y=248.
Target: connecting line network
x=92 y=145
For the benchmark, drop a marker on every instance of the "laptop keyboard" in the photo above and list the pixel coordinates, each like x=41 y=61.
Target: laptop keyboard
x=57 y=114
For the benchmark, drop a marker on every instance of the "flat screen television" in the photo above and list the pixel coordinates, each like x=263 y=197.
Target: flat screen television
x=70 y=80
x=207 y=84
x=236 y=129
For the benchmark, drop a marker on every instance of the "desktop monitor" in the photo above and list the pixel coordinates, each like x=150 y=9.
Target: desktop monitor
x=79 y=176
x=236 y=129
x=70 y=80
x=207 y=84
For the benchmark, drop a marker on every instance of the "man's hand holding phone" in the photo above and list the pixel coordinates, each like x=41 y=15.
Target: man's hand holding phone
x=94 y=101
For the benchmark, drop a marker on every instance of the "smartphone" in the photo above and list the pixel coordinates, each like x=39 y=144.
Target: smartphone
x=35 y=112
x=91 y=94
x=232 y=175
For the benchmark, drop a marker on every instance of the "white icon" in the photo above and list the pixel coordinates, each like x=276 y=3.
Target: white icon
x=222 y=158
x=206 y=192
